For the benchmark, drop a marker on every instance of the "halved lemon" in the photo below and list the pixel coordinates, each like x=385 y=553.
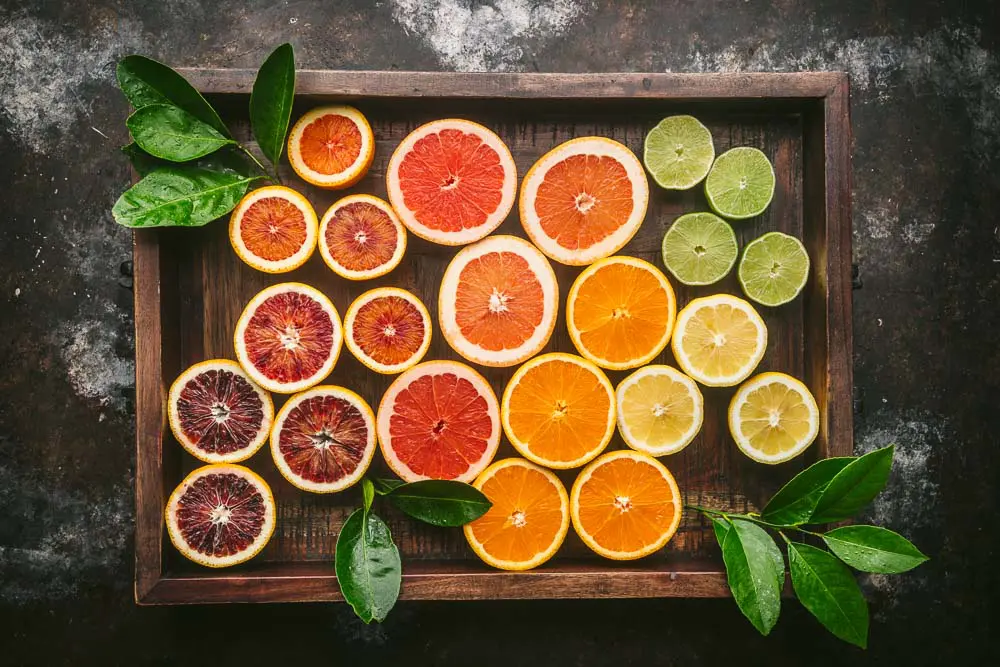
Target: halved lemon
x=719 y=340
x=773 y=418
x=660 y=410
x=273 y=229
x=331 y=147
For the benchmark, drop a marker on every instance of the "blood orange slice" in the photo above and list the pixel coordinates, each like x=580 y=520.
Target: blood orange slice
x=584 y=200
x=452 y=181
x=217 y=413
x=439 y=420
x=360 y=237
x=331 y=147
x=288 y=337
x=388 y=329
x=273 y=229
x=220 y=515
x=324 y=439
x=498 y=301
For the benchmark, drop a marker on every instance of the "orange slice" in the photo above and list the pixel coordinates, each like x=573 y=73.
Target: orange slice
x=273 y=229
x=620 y=312
x=360 y=238
x=388 y=329
x=331 y=147
x=498 y=301
x=584 y=200
x=559 y=410
x=529 y=518
x=625 y=505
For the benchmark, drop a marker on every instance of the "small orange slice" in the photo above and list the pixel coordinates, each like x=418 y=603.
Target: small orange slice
x=388 y=329
x=331 y=147
x=529 y=518
x=273 y=229
x=361 y=238
x=625 y=505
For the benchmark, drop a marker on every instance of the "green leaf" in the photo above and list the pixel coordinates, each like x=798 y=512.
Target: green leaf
x=440 y=502
x=166 y=132
x=755 y=572
x=368 y=567
x=830 y=592
x=368 y=490
x=271 y=101
x=873 y=549
x=721 y=528
x=145 y=81
x=227 y=160
x=853 y=487
x=180 y=196
x=794 y=503
x=384 y=486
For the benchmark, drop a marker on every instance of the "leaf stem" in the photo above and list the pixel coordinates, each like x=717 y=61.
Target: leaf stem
x=752 y=517
x=271 y=175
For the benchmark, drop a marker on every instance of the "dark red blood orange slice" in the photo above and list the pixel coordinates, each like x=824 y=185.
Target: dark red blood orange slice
x=331 y=147
x=273 y=229
x=360 y=237
x=388 y=329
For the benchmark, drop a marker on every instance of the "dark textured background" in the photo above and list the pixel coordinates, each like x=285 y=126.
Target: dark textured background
x=926 y=115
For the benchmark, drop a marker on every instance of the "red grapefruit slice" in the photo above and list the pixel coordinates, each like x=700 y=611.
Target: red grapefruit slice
x=452 y=181
x=360 y=238
x=331 y=147
x=273 y=229
x=388 y=329
x=439 y=420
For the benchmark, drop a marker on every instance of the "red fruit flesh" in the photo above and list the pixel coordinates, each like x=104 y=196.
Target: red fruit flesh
x=220 y=412
x=289 y=337
x=323 y=439
x=221 y=514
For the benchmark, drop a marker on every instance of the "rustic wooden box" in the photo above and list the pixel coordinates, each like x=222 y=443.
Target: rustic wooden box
x=190 y=288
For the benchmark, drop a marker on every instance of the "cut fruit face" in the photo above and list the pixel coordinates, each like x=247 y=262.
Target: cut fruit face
x=388 y=329
x=331 y=147
x=498 y=301
x=220 y=515
x=324 y=439
x=678 y=152
x=625 y=505
x=774 y=269
x=584 y=200
x=620 y=312
x=361 y=238
x=273 y=229
x=773 y=418
x=699 y=249
x=740 y=184
x=559 y=410
x=719 y=340
x=288 y=337
x=529 y=518
x=452 y=181
x=217 y=413
x=660 y=410
x=439 y=420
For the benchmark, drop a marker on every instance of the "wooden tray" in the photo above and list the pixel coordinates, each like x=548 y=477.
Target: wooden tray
x=190 y=288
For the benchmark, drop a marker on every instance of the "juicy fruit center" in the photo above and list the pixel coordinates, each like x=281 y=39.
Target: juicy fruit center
x=323 y=440
x=220 y=412
x=220 y=514
x=775 y=418
x=290 y=338
x=330 y=144
x=518 y=519
x=498 y=301
x=584 y=202
x=623 y=503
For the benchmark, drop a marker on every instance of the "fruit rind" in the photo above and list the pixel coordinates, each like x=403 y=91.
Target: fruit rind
x=689 y=310
x=340 y=269
x=634 y=442
x=360 y=355
x=755 y=383
x=349 y=176
x=301 y=256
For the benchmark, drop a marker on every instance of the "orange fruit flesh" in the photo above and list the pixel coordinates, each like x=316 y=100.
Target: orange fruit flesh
x=324 y=439
x=330 y=144
x=701 y=336
x=289 y=337
x=626 y=505
x=361 y=236
x=583 y=200
x=499 y=301
x=389 y=329
x=273 y=228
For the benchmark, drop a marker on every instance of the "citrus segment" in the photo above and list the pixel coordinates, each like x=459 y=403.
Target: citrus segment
x=625 y=505
x=584 y=200
x=217 y=413
x=773 y=418
x=740 y=184
x=498 y=301
x=529 y=518
x=699 y=249
x=660 y=410
x=620 y=312
x=331 y=147
x=719 y=340
x=774 y=269
x=439 y=420
x=273 y=229
x=388 y=329
x=360 y=238
x=452 y=181
x=678 y=152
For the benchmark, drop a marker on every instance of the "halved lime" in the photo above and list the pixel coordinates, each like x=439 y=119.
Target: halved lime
x=699 y=248
x=740 y=184
x=774 y=269
x=678 y=152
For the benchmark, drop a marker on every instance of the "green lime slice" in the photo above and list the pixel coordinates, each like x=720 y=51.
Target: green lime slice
x=678 y=152
x=740 y=184
x=774 y=269
x=699 y=249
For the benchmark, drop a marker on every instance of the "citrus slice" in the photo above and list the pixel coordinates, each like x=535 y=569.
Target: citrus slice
x=217 y=413
x=584 y=200
x=740 y=184
x=774 y=269
x=773 y=418
x=388 y=329
x=678 y=152
x=558 y=410
x=273 y=229
x=498 y=301
x=323 y=439
x=288 y=337
x=331 y=147
x=220 y=515
x=699 y=249
x=360 y=238
x=719 y=340
x=625 y=505
x=660 y=410
x=529 y=518
x=452 y=181
x=439 y=420
x=620 y=312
